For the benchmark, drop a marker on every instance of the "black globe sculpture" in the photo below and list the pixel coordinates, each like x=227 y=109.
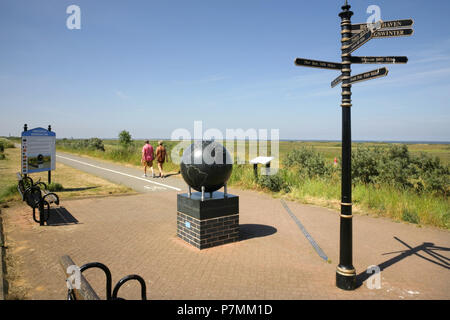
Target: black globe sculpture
x=206 y=164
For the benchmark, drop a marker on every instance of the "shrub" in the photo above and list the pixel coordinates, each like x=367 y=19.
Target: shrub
x=125 y=138
x=428 y=174
x=96 y=144
x=55 y=186
x=396 y=166
x=5 y=144
x=308 y=162
x=82 y=144
x=274 y=183
x=365 y=165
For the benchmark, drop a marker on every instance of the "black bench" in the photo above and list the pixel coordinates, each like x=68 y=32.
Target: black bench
x=36 y=195
x=80 y=289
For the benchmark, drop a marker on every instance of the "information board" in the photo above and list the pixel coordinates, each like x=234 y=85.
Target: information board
x=38 y=150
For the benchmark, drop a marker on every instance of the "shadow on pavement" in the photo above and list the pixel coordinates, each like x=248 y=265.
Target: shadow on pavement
x=60 y=217
x=248 y=231
x=426 y=247
x=171 y=174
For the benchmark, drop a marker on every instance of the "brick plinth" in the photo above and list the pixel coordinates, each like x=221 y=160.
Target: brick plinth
x=209 y=232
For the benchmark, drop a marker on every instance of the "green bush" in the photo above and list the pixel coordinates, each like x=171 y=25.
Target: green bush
x=308 y=163
x=96 y=144
x=82 y=144
x=55 y=186
x=5 y=144
x=365 y=168
x=396 y=166
x=125 y=138
x=274 y=183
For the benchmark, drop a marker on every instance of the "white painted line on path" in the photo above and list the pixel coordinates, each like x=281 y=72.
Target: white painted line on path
x=153 y=188
x=118 y=172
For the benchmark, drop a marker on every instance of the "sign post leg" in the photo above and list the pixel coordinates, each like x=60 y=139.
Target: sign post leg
x=345 y=272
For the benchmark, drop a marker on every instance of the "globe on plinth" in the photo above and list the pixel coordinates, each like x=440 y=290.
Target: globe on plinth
x=206 y=164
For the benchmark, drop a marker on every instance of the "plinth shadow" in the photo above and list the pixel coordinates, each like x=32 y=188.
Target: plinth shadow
x=248 y=231
x=60 y=217
x=426 y=247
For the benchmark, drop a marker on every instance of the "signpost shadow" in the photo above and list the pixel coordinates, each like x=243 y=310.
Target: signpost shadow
x=426 y=247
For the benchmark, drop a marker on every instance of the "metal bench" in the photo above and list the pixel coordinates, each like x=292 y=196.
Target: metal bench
x=80 y=289
x=36 y=195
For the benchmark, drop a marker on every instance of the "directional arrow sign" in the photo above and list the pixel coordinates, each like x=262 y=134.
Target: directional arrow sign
x=336 y=81
x=358 y=40
x=382 y=72
x=395 y=24
x=393 y=33
x=373 y=60
x=318 y=64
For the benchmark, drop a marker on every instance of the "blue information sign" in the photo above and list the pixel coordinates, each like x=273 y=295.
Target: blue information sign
x=38 y=150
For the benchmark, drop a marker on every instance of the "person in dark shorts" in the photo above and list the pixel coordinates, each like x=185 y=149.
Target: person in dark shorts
x=161 y=157
x=147 y=158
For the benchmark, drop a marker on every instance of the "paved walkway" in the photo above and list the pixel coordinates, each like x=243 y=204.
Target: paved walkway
x=273 y=260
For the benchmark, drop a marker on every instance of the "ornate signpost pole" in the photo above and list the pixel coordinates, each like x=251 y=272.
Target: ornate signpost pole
x=345 y=272
x=352 y=38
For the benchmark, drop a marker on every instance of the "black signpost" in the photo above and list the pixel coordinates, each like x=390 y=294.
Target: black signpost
x=384 y=25
x=357 y=41
x=318 y=64
x=374 y=60
x=382 y=72
x=392 y=33
x=352 y=38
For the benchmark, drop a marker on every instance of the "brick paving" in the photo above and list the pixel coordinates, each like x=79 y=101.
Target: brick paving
x=273 y=260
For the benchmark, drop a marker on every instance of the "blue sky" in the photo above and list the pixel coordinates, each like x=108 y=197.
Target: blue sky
x=151 y=67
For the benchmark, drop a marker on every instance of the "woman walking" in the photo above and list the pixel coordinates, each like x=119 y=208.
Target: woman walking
x=147 y=158
x=161 y=157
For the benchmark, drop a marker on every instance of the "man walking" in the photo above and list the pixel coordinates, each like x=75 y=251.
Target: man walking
x=147 y=158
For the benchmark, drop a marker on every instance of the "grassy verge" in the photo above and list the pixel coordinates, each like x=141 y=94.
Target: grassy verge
x=68 y=181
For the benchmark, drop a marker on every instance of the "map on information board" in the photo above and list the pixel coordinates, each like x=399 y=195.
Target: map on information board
x=38 y=150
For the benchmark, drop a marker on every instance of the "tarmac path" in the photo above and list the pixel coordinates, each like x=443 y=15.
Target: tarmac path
x=130 y=177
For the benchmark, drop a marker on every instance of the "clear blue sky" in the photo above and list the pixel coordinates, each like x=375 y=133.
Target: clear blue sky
x=153 y=66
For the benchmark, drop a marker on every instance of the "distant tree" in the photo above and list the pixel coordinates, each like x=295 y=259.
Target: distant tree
x=124 y=138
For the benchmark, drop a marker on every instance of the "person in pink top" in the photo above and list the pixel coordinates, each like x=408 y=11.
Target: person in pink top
x=147 y=157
